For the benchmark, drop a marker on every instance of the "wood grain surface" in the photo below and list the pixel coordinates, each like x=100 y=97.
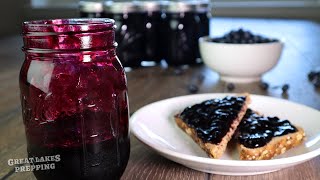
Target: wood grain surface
x=149 y=84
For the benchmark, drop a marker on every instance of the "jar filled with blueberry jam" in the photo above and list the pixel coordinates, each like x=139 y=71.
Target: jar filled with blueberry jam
x=188 y=21
x=74 y=99
x=203 y=9
x=154 y=36
x=91 y=8
x=130 y=21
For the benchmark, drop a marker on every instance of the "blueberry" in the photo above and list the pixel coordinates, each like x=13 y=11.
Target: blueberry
x=243 y=41
x=247 y=35
x=317 y=84
x=312 y=75
x=193 y=89
x=240 y=31
x=201 y=77
x=216 y=39
x=250 y=41
x=285 y=88
x=178 y=71
x=234 y=41
x=257 y=39
x=230 y=86
x=264 y=85
x=237 y=37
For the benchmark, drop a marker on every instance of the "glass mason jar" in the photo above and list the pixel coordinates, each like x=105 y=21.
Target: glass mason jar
x=154 y=36
x=187 y=22
x=182 y=34
x=74 y=99
x=130 y=24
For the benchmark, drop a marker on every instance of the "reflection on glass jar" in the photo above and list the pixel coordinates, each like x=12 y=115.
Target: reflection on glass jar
x=74 y=99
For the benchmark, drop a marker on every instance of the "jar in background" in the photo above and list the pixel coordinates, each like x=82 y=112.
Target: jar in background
x=203 y=10
x=91 y=8
x=155 y=39
x=74 y=99
x=182 y=34
x=130 y=21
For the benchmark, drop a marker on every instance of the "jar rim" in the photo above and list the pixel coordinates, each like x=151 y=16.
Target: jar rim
x=68 y=25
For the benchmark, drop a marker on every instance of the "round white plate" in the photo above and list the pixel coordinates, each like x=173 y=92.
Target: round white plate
x=154 y=125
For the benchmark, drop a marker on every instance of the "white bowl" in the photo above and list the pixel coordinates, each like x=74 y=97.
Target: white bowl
x=240 y=63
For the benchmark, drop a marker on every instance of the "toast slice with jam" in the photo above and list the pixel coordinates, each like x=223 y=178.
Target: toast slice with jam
x=212 y=123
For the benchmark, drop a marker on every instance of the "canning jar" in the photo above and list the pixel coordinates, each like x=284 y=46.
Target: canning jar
x=91 y=8
x=130 y=21
x=188 y=21
x=154 y=36
x=74 y=100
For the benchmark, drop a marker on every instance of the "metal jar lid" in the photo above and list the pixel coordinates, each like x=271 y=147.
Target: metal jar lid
x=122 y=7
x=189 y=6
x=153 y=6
x=94 y=6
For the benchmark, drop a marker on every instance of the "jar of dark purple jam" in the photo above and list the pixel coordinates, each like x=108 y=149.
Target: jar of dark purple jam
x=188 y=21
x=155 y=38
x=91 y=8
x=130 y=21
x=203 y=10
x=74 y=99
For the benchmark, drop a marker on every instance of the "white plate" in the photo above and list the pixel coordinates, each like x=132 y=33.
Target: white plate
x=154 y=125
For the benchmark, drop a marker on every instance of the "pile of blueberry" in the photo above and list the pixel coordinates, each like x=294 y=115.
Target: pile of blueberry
x=314 y=78
x=241 y=36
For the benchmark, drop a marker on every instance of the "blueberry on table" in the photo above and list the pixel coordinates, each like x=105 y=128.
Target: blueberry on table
x=178 y=71
x=230 y=86
x=201 y=77
x=264 y=85
x=285 y=88
x=193 y=88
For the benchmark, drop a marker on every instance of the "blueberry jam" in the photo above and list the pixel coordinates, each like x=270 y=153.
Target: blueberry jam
x=212 y=118
x=256 y=131
x=74 y=98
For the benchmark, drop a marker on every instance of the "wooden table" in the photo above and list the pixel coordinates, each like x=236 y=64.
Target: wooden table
x=301 y=54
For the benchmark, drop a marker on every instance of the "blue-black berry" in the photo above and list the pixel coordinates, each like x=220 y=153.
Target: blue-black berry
x=285 y=88
x=178 y=71
x=264 y=85
x=193 y=88
x=312 y=75
x=241 y=36
x=231 y=86
x=317 y=83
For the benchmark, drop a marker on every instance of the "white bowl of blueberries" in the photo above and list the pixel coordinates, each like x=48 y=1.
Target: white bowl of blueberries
x=240 y=56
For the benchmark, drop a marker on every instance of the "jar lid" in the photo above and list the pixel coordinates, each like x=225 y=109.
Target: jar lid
x=91 y=6
x=122 y=7
x=152 y=6
x=189 y=6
